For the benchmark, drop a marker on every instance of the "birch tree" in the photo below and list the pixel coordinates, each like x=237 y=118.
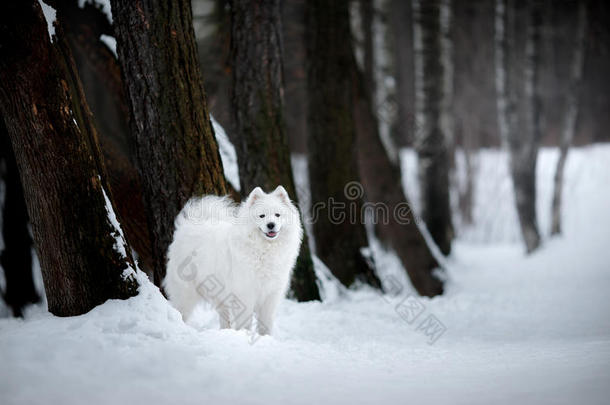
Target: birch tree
x=431 y=139
x=571 y=114
x=517 y=63
x=381 y=176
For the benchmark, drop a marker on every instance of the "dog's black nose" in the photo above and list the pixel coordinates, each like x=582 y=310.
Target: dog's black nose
x=270 y=225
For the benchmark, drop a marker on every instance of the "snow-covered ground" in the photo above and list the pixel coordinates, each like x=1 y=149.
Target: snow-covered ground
x=510 y=329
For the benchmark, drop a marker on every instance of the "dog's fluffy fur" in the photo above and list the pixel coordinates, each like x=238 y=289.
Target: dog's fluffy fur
x=238 y=258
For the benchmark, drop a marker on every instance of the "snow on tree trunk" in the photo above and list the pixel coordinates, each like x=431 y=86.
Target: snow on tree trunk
x=569 y=123
x=258 y=114
x=176 y=152
x=430 y=140
x=61 y=170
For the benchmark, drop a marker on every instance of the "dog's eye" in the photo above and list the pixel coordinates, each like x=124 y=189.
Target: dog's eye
x=261 y=216
x=277 y=215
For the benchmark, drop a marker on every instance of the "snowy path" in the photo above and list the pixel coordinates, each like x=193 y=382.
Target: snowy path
x=518 y=330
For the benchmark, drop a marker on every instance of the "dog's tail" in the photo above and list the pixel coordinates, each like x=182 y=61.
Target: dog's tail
x=208 y=208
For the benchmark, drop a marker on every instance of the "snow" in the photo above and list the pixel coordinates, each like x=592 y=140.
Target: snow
x=227 y=155
x=103 y=5
x=510 y=328
x=301 y=183
x=110 y=43
x=49 y=15
x=495 y=216
x=117 y=234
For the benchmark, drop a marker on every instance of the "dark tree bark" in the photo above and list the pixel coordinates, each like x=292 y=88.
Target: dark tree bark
x=337 y=202
x=16 y=258
x=431 y=141
x=213 y=35
x=366 y=18
x=475 y=118
x=517 y=61
x=401 y=21
x=103 y=86
x=257 y=104
x=176 y=152
x=82 y=256
x=295 y=86
x=571 y=113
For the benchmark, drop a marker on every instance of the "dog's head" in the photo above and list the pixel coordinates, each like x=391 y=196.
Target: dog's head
x=271 y=213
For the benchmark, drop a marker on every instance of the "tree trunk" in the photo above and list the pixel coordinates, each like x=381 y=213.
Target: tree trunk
x=569 y=123
x=257 y=103
x=394 y=222
x=295 y=86
x=100 y=76
x=16 y=258
x=431 y=141
x=517 y=59
x=466 y=191
x=366 y=18
x=447 y=124
x=505 y=104
x=176 y=152
x=401 y=16
x=82 y=254
x=391 y=212
x=335 y=189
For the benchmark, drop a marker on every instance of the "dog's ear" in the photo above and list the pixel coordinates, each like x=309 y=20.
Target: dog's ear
x=254 y=195
x=282 y=194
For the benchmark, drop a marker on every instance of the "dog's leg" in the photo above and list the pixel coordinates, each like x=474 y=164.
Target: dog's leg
x=227 y=321
x=266 y=313
x=224 y=318
x=185 y=304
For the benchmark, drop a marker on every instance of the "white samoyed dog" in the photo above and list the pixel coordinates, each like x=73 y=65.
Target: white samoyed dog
x=238 y=258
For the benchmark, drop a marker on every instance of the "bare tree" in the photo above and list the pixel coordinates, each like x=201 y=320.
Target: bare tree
x=475 y=118
x=295 y=84
x=571 y=113
x=395 y=225
x=447 y=100
x=401 y=21
x=339 y=236
x=258 y=111
x=100 y=76
x=517 y=63
x=82 y=254
x=176 y=152
x=431 y=140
